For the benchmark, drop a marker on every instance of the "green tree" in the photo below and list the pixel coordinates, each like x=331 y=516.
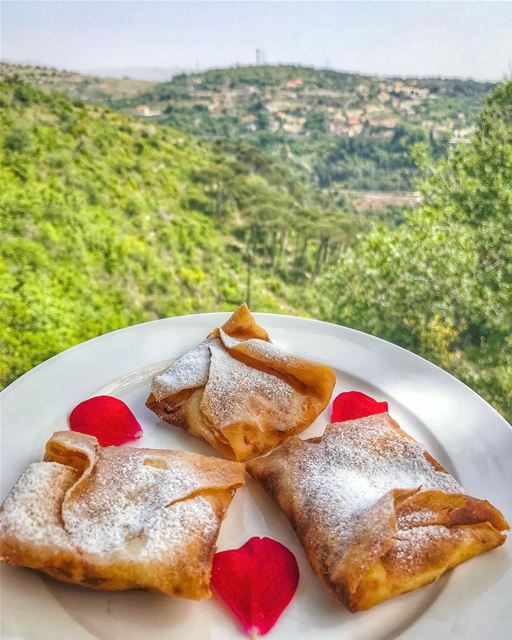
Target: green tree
x=441 y=284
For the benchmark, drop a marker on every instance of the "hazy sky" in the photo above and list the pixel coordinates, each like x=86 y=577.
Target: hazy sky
x=468 y=39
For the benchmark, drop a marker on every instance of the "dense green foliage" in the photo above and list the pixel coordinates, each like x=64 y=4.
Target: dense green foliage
x=107 y=221
x=374 y=160
x=336 y=128
x=441 y=284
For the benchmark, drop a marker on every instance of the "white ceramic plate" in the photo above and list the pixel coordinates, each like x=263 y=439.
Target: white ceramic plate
x=460 y=429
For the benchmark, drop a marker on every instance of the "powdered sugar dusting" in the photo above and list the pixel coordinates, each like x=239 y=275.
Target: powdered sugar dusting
x=136 y=503
x=124 y=499
x=354 y=465
x=232 y=388
x=267 y=350
x=412 y=546
x=228 y=341
x=417 y=519
x=235 y=390
x=32 y=510
x=188 y=372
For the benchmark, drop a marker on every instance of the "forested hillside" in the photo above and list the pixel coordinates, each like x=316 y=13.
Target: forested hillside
x=343 y=130
x=107 y=221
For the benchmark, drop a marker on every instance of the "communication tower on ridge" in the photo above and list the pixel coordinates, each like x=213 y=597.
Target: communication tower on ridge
x=260 y=56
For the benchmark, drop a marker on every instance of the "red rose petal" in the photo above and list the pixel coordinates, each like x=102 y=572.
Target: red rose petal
x=257 y=582
x=354 y=404
x=106 y=418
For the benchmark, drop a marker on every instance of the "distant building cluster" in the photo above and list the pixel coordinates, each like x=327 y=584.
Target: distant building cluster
x=300 y=107
x=144 y=111
x=295 y=84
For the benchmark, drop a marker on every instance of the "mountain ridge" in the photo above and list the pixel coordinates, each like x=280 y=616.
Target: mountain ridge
x=342 y=132
x=94 y=88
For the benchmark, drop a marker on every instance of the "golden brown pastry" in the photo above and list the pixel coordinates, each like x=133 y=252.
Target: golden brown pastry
x=240 y=392
x=119 y=518
x=377 y=516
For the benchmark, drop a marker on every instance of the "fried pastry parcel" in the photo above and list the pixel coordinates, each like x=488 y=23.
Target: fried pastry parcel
x=240 y=392
x=119 y=518
x=376 y=514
